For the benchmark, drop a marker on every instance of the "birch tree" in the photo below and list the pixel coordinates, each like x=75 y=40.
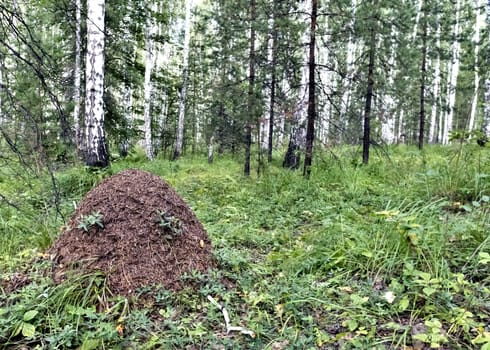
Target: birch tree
x=251 y=89
x=486 y=112
x=77 y=75
x=149 y=62
x=96 y=153
x=476 y=41
x=436 y=84
x=183 y=93
x=453 y=75
x=423 y=71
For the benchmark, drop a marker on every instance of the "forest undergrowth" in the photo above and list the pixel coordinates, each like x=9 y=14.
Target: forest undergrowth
x=390 y=255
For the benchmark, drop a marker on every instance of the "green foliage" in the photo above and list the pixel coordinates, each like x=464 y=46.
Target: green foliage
x=86 y=222
x=171 y=226
x=393 y=254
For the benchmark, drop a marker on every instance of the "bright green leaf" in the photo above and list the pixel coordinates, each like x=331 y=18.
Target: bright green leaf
x=90 y=344
x=484 y=258
x=403 y=304
x=29 y=315
x=428 y=291
x=28 y=330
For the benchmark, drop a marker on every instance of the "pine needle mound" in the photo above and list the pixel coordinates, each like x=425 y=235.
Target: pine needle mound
x=146 y=235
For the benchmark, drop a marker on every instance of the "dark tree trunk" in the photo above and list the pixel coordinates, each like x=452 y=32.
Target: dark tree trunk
x=369 y=96
x=422 y=82
x=310 y=127
x=273 y=81
x=293 y=156
x=251 y=83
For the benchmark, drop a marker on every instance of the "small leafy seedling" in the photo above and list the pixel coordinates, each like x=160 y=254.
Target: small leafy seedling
x=171 y=225
x=85 y=222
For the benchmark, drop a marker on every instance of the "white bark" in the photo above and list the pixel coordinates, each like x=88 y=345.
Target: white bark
x=347 y=81
x=388 y=122
x=436 y=86
x=96 y=151
x=149 y=62
x=486 y=112
x=476 y=40
x=183 y=93
x=417 y=19
x=323 y=57
x=77 y=75
x=400 y=134
x=453 y=76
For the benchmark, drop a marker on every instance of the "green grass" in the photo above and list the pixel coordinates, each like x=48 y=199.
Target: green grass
x=354 y=258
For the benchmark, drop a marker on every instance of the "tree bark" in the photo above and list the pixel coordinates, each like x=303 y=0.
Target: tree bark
x=486 y=110
x=96 y=153
x=273 y=81
x=369 y=96
x=437 y=84
x=422 y=80
x=476 y=41
x=453 y=76
x=310 y=127
x=179 y=142
x=149 y=61
x=251 y=91
x=77 y=76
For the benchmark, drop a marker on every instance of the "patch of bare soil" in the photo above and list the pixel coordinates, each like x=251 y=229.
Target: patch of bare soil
x=149 y=236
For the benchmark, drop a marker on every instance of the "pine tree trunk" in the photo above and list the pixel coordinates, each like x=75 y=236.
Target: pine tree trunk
x=96 y=153
x=422 y=80
x=251 y=89
x=183 y=93
x=310 y=127
x=77 y=76
x=369 y=96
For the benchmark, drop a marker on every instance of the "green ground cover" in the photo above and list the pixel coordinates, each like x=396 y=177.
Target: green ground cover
x=390 y=255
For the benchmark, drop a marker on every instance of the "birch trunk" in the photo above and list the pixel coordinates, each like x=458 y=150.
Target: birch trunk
x=486 y=112
x=251 y=89
x=423 y=70
x=77 y=75
x=388 y=122
x=183 y=94
x=149 y=61
x=347 y=81
x=273 y=81
x=453 y=76
x=476 y=40
x=437 y=84
x=96 y=150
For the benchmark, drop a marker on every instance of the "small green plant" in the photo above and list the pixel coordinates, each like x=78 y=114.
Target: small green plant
x=85 y=222
x=171 y=225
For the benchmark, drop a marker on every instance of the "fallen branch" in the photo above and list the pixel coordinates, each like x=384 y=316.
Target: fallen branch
x=229 y=328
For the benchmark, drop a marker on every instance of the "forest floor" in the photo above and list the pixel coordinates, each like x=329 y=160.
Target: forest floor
x=392 y=255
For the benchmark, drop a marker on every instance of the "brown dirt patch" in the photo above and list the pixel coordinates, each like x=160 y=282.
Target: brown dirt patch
x=132 y=249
